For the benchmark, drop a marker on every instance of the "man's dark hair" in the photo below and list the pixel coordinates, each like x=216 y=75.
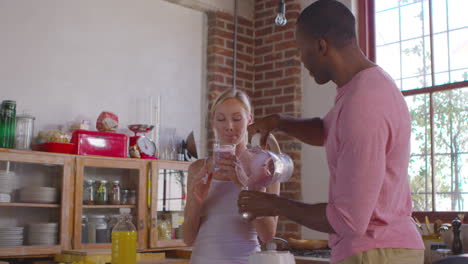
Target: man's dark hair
x=328 y=19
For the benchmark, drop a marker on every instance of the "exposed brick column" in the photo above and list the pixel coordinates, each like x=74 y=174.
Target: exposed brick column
x=220 y=54
x=277 y=87
x=268 y=69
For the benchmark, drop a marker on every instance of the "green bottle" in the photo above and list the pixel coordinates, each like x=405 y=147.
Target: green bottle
x=7 y=124
x=2 y=127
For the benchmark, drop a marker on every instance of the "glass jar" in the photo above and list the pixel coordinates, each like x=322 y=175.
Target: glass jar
x=114 y=196
x=98 y=226
x=91 y=229
x=164 y=228
x=101 y=193
x=88 y=192
x=24 y=131
x=125 y=197
x=132 y=198
x=84 y=229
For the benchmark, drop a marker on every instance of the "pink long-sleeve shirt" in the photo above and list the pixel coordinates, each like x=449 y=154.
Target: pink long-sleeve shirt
x=367 y=140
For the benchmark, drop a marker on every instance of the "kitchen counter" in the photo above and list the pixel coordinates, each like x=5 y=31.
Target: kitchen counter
x=165 y=261
x=310 y=260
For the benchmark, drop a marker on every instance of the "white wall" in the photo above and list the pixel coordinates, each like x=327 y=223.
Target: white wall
x=316 y=101
x=69 y=60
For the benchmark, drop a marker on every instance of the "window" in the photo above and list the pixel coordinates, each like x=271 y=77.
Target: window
x=423 y=45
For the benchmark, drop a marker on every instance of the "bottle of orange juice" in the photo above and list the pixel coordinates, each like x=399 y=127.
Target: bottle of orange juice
x=124 y=239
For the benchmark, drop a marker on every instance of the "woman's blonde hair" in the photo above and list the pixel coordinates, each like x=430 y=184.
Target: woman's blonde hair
x=241 y=96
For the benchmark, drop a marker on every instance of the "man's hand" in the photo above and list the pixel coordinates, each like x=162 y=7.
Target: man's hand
x=258 y=204
x=264 y=126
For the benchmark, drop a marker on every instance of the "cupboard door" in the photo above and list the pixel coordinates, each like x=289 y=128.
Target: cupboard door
x=168 y=197
x=36 y=194
x=96 y=210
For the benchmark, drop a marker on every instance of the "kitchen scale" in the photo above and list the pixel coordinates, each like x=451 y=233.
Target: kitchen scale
x=141 y=146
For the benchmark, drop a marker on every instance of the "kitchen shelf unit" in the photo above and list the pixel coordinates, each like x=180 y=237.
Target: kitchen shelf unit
x=143 y=175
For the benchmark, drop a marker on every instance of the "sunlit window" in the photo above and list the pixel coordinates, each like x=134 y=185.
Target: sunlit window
x=423 y=45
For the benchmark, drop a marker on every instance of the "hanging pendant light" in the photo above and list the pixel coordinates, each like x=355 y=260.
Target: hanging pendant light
x=280 y=19
x=234 y=56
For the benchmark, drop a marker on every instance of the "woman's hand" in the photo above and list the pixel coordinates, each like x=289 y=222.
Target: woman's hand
x=201 y=184
x=227 y=167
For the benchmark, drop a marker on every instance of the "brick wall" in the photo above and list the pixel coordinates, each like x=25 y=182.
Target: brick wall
x=268 y=69
x=277 y=86
x=220 y=54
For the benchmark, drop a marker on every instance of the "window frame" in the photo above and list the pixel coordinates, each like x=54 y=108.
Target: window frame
x=367 y=42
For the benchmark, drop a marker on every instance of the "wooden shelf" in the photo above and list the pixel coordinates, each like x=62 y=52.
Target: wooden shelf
x=23 y=251
x=108 y=206
x=29 y=205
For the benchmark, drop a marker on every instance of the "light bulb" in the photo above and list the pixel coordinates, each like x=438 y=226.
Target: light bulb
x=280 y=19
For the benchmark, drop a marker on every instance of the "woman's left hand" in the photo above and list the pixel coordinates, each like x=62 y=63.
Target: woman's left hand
x=227 y=169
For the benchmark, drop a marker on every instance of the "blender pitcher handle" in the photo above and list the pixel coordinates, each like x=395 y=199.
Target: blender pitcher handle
x=272 y=143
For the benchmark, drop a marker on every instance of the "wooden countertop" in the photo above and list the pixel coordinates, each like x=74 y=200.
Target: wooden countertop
x=310 y=260
x=165 y=261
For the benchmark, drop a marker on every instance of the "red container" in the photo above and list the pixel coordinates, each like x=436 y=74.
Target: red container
x=57 y=147
x=100 y=143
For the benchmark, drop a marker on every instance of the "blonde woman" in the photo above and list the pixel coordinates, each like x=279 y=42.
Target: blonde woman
x=212 y=223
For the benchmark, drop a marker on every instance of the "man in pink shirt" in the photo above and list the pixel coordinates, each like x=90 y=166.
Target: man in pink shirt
x=367 y=140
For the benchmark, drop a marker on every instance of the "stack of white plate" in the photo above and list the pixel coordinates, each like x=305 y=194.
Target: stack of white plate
x=5 y=198
x=11 y=236
x=7 y=184
x=43 y=234
x=38 y=195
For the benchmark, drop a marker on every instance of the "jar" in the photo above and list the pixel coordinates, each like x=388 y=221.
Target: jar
x=91 y=229
x=125 y=197
x=98 y=226
x=88 y=192
x=114 y=196
x=132 y=197
x=24 y=131
x=101 y=193
x=164 y=228
x=84 y=229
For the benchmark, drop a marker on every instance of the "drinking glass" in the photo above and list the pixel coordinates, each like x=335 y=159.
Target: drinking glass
x=220 y=151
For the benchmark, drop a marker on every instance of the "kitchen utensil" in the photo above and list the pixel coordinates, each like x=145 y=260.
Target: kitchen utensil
x=38 y=195
x=428 y=225
x=191 y=146
x=271 y=256
x=24 y=131
x=461 y=217
x=220 y=150
x=11 y=236
x=57 y=147
x=260 y=168
x=145 y=146
x=42 y=233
